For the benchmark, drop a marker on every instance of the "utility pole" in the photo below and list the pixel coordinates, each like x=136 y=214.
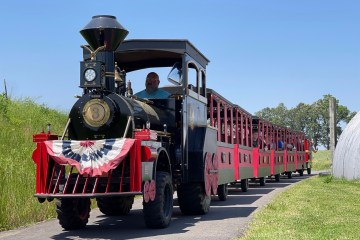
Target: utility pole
x=5 y=93
x=332 y=123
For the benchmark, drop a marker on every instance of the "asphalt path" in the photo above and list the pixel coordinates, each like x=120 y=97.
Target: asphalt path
x=225 y=220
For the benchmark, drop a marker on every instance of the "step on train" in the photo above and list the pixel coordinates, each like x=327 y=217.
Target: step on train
x=116 y=146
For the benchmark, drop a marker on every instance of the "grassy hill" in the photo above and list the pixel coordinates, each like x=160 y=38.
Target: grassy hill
x=19 y=120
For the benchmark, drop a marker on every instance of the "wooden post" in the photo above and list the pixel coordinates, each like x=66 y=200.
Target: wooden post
x=332 y=125
x=5 y=93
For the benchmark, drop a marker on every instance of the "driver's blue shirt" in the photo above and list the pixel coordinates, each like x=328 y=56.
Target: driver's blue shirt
x=159 y=93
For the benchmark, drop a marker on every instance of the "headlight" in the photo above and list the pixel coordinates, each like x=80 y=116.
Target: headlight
x=90 y=74
x=96 y=112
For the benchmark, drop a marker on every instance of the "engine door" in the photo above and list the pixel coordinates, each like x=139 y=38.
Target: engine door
x=193 y=137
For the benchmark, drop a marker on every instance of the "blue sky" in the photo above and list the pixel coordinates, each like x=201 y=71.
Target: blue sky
x=261 y=52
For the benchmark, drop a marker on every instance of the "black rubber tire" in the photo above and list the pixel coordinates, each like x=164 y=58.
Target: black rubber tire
x=222 y=192
x=192 y=199
x=289 y=175
x=115 y=206
x=277 y=177
x=73 y=213
x=301 y=173
x=244 y=185
x=157 y=213
x=262 y=181
x=308 y=171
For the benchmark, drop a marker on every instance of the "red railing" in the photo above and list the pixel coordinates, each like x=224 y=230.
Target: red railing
x=55 y=180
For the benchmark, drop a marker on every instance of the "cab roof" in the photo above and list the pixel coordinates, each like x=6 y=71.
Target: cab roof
x=137 y=54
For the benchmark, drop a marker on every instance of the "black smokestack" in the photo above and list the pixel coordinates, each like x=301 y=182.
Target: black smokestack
x=104 y=30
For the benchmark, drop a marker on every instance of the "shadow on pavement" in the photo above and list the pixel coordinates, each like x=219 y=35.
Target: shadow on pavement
x=133 y=225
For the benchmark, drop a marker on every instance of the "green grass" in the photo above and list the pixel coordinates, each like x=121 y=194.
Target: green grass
x=19 y=120
x=321 y=160
x=316 y=208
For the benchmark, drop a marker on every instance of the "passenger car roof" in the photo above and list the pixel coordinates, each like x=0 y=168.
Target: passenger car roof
x=212 y=91
x=137 y=54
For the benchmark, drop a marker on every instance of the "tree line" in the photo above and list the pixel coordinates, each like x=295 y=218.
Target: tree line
x=313 y=119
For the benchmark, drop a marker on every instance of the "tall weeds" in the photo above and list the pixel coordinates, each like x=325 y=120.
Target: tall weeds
x=19 y=120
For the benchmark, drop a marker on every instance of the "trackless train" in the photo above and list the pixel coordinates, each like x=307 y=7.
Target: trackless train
x=116 y=146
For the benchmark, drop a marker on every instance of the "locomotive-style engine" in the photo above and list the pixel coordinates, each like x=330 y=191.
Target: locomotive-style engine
x=116 y=146
x=104 y=111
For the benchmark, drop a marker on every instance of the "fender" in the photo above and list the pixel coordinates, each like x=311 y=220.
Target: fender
x=162 y=162
x=159 y=160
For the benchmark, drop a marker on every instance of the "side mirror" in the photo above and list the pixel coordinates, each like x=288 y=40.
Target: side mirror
x=175 y=75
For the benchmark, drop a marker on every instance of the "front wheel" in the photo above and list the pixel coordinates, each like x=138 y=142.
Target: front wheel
x=277 y=177
x=222 y=192
x=301 y=173
x=289 y=175
x=262 y=181
x=244 y=185
x=193 y=199
x=308 y=171
x=157 y=213
x=73 y=213
x=114 y=206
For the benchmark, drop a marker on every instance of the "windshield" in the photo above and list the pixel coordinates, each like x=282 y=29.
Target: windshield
x=175 y=75
x=138 y=78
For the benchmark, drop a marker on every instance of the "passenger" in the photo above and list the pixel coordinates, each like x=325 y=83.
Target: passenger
x=281 y=144
x=257 y=140
x=311 y=149
x=289 y=147
x=152 y=90
x=272 y=144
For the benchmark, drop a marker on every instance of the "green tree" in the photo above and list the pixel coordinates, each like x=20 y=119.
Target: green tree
x=278 y=115
x=299 y=117
x=343 y=115
x=312 y=119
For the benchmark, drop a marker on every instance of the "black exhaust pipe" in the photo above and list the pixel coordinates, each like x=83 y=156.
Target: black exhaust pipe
x=104 y=30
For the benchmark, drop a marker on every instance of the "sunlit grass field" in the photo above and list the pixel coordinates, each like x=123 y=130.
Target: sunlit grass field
x=321 y=160
x=19 y=120
x=316 y=208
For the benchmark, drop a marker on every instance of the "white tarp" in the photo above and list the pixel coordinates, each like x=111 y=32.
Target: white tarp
x=346 y=161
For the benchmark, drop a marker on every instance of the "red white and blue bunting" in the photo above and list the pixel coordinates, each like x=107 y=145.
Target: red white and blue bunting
x=90 y=157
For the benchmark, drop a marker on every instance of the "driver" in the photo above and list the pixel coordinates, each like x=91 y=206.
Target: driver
x=152 y=90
